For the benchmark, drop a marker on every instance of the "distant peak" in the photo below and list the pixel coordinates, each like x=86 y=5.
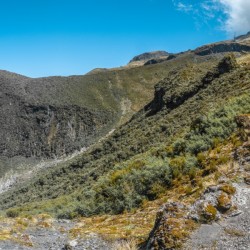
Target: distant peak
x=142 y=58
x=243 y=37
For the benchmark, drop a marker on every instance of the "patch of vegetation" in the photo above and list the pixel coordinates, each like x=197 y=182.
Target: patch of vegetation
x=209 y=213
x=224 y=202
x=12 y=213
x=229 y=189
x=234 y=232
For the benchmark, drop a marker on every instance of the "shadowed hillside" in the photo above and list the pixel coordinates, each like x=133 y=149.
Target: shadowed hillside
x=55 y=116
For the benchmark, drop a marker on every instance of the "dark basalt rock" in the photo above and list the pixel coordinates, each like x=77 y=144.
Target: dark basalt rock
x=221 y=48
x=159 y=60
x=150 y=55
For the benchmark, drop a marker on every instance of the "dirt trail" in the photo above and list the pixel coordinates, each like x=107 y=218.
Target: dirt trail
x=44 y=235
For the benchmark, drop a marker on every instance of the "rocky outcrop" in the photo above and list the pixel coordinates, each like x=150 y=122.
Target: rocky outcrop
x=169 y=228
x=159 y=60
x=40 y=118
x=232 y=232
x=214 y=202
x=40 y=130
x=172 y=91
x=145 y=57
x=221 y=213
x=243 y=37
x=222 y=48
x=175 y=221
x=232 y=204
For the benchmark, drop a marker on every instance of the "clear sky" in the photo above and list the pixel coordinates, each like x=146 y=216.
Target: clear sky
x=68 y=37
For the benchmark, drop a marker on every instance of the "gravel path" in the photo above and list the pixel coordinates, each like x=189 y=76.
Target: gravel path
x=55 y=239
x=231 y=233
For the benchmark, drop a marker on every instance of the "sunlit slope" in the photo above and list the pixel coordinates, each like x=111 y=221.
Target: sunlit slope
x=197 y=94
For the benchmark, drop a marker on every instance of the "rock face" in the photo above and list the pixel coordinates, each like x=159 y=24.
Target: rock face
x=168 y=227
x=169 y=97
x=175 y=221
x=159 y=60
x=47 y=131
x=243 y=122
x=222 y=48
x=36 y=121
x=214 y=202
x=143 y=58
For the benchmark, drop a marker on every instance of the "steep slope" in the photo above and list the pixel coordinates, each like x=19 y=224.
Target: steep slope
x=244 y=38
x=215 y=202
x=96 y=177
x=55 y=116
x=222 y=48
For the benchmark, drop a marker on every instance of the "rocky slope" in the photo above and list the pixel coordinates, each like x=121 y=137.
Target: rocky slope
x=37 y=113
x=243 y=38
x=55 y=116
x=221 y=212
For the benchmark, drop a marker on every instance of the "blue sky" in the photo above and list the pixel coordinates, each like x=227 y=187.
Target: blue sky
x=67 y=37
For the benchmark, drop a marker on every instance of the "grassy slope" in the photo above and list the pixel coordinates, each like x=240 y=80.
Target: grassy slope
x=115 y=94
x=96 y=183
x=103 y=90
x=91 y=105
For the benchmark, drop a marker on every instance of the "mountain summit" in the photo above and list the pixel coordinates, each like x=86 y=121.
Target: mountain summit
x=143 y=58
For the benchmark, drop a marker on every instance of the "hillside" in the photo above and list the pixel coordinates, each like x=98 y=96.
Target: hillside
x=168 y=145
x=41 y=109
x=37 y=118
x=51 y=117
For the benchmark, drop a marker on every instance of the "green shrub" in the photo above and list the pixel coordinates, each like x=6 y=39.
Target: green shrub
x=12 y=213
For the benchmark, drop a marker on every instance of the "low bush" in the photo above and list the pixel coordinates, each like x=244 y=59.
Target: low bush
x=12 y=213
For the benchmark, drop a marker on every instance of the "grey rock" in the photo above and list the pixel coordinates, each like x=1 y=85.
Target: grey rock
x=223 y=47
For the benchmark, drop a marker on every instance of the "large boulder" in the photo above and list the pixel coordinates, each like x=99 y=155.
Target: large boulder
x=175 y=220
x=243 y=122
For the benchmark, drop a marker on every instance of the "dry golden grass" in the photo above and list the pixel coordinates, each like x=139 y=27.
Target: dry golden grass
x=14 y=229
x=244 y=60
x=5 y=234
x=125 y=245
x=234 y=232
